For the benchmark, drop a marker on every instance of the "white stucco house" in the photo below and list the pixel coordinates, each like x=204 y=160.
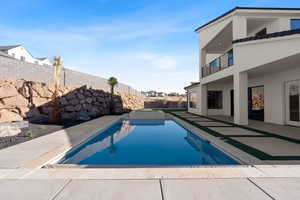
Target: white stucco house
x=43 y=61
x=250 y=66
x=21 y=53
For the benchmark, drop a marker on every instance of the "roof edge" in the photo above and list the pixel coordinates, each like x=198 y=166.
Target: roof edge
x=192 y=85
x=242 y=8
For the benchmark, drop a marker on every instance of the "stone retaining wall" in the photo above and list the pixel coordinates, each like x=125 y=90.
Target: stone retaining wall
x=34 y=101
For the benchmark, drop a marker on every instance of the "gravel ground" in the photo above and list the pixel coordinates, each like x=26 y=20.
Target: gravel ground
x=29 y=133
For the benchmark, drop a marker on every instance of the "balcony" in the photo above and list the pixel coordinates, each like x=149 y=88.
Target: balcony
x=218 y=64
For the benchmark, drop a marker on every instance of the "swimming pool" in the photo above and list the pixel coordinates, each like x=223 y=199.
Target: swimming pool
x=146 y=143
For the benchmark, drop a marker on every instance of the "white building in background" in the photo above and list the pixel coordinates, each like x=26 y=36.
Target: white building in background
x=250 y=66
x=43 y=61
x=21 y=53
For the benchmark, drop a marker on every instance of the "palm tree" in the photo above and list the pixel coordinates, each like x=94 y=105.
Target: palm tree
x=112 y=81
x=55 y=114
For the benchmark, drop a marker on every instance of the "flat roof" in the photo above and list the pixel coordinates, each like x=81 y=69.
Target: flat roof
x=243 y=8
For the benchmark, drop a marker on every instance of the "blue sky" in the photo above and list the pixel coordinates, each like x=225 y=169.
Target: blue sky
x=148 y=44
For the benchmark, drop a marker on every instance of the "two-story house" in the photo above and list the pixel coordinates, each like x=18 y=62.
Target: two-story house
x=21 y=53
x=250 y=66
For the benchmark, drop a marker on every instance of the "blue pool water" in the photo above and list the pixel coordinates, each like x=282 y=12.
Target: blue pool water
x=147 y=142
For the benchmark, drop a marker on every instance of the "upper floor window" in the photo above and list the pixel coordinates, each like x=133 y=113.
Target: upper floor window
x=295 y=24
x=230 y=57
x=22 y=58
x=261 y=32
x=215 y=63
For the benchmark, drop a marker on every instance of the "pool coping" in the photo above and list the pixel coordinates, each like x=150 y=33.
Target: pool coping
x=215 y=172
x=87 y=130
x=49 y=159
x=241 y=157
x=33 y=170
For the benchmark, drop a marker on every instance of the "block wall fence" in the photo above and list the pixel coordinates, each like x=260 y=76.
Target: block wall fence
x=14 y=69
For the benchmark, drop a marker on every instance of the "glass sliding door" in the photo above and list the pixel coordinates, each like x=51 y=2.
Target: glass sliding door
x=256 y=103
x=293 y=103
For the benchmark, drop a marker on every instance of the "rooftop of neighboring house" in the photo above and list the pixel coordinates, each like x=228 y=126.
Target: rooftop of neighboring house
x=5 y=48
x=245 y=8
x=42 y=58
x=4 y=54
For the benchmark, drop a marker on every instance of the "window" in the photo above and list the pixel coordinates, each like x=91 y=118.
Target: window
x=215 y=63
x=193 y=100
x=13 y=55
x=261 y=32
x=214 y=100
x=295 y=24
x=22 y=58
x=36 y=62
x=230 y=57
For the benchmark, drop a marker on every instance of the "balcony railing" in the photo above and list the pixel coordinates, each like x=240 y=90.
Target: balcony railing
x=220 y=63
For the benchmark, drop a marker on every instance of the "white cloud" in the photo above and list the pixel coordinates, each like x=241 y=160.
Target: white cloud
x=109 y=49
x=159 y=61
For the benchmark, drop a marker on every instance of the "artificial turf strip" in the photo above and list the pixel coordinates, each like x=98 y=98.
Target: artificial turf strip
x=250 y=150
x=264 y=136
x=253 y=129
x=218 y=126
x=259 y=154
x=214 y=133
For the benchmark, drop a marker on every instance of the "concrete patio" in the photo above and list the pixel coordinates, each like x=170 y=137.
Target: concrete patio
x=257 y=139
x=284 y=130
x=21 y=175
x=256 y=182
x=152 y=189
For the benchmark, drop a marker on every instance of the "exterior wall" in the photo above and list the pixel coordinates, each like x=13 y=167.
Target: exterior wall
x=210 y=32
x=194 y=110
x=15 y=69
x=21 y=51
x=277 y=21
x=274 y=93
x=265 y=51
x=249 y=57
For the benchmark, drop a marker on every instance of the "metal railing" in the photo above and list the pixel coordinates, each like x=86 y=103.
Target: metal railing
x=220 y=63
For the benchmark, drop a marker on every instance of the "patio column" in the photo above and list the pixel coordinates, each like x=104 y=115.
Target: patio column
x=240 y=86
x=203 y=99
x=202 y=62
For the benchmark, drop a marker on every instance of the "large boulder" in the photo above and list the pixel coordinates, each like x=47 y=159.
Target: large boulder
x=9 y=115
x=16 y=101
x=8 y=91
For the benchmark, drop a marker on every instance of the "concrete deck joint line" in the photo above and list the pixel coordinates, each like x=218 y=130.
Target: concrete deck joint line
x=161 y=190
x=61 y=189
x=264 y=191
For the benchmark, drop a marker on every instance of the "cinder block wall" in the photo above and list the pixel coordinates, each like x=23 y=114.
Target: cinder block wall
x=14 y=69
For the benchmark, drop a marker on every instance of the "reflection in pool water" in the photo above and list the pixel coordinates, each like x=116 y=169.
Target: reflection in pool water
x=147 y=142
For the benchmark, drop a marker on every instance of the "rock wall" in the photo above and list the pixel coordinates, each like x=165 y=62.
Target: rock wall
x=172 y=102
x=36 y=102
